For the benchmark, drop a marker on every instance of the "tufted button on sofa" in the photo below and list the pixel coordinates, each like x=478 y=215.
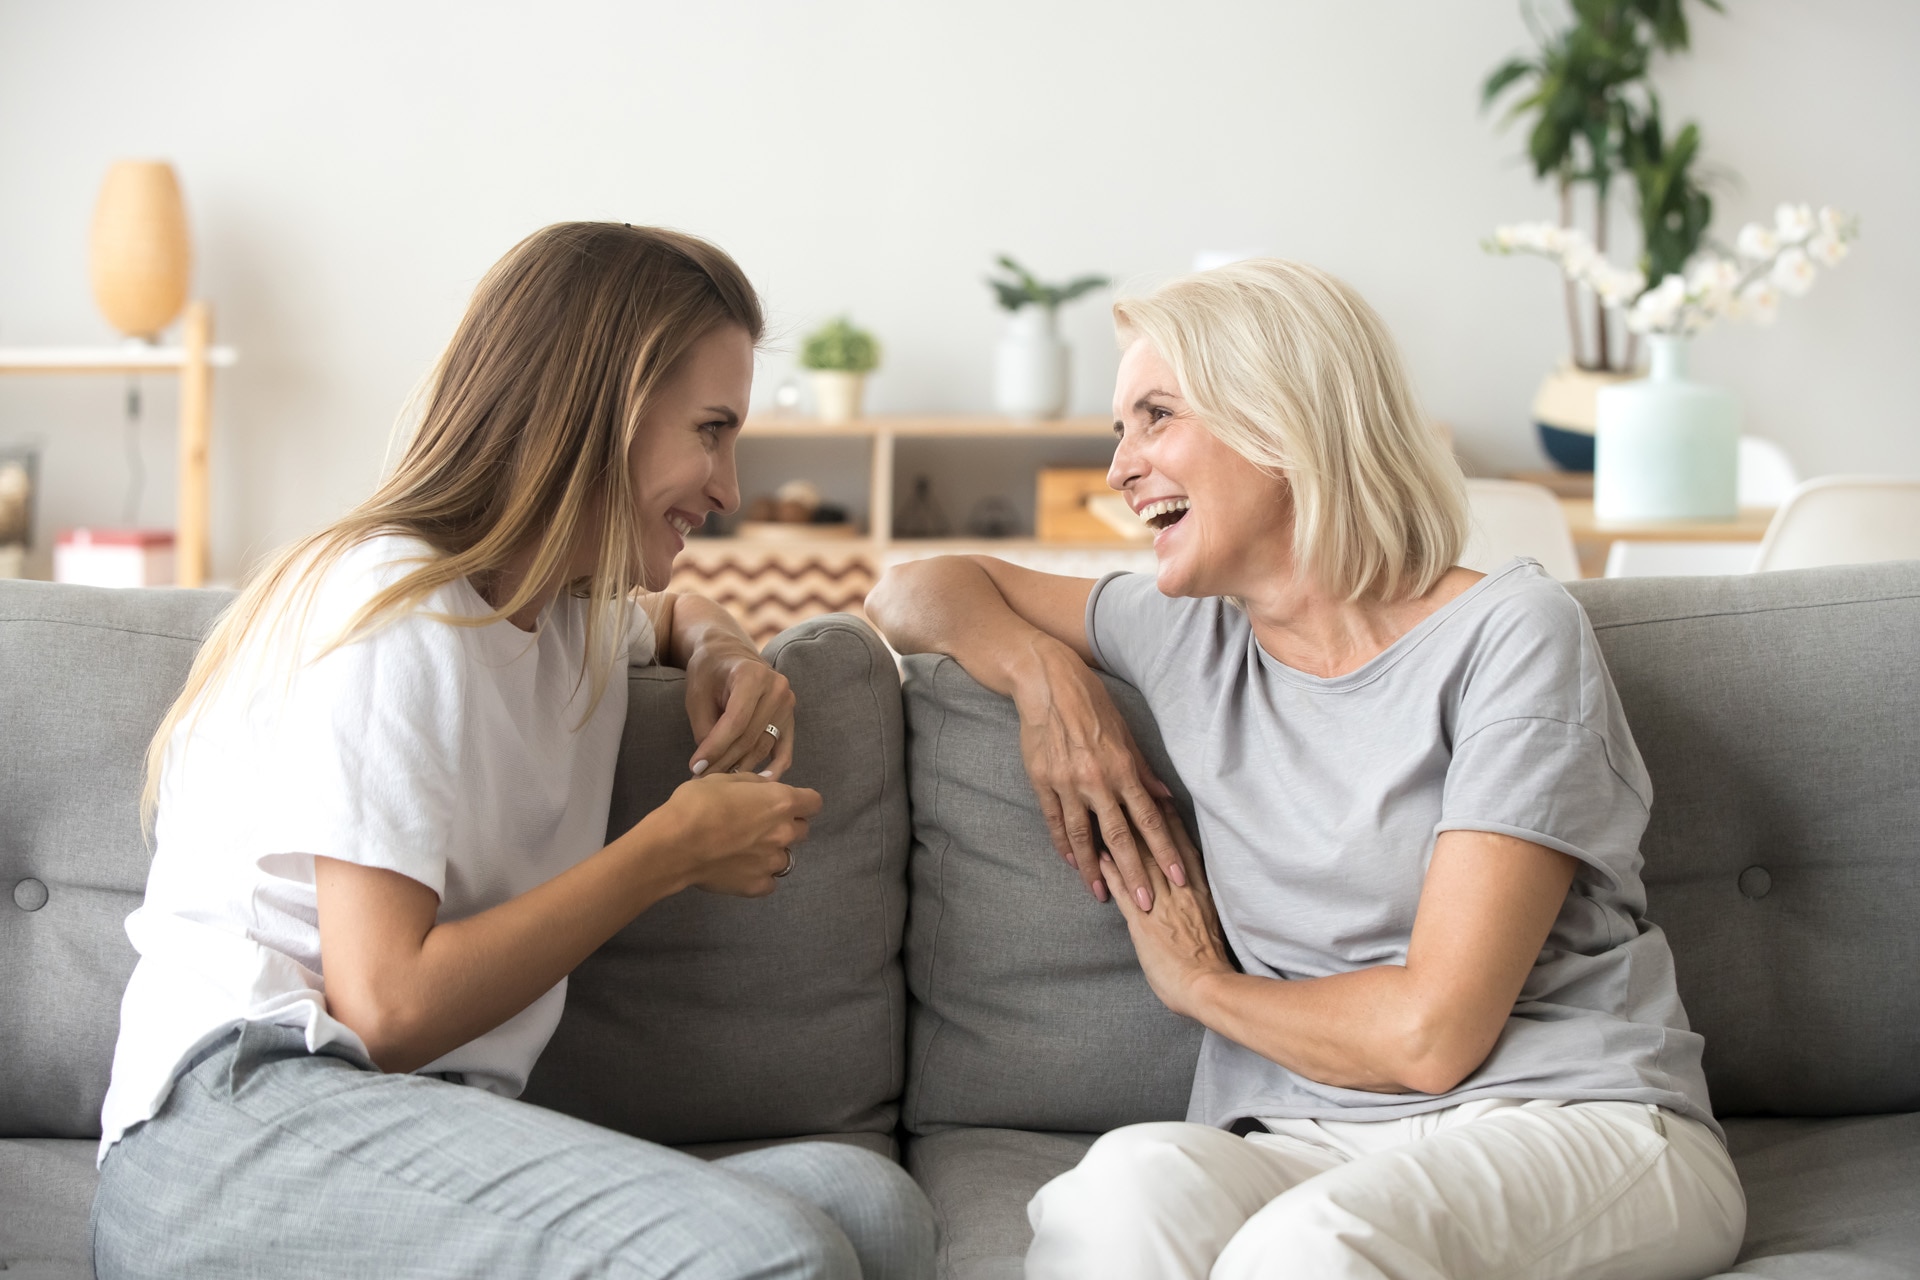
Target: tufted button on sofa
x=933 y=985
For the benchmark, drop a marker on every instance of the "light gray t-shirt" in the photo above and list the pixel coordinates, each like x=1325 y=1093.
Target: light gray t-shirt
x=1319 y=800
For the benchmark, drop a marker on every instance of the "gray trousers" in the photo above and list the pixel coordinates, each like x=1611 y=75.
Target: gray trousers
x=269 y=1161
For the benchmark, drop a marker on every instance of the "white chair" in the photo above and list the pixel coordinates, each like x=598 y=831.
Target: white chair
x=1844 y=520
x=1767 y=476
x=1678 y=559
x=1507 y=518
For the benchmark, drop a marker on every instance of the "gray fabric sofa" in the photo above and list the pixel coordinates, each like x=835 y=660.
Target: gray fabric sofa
x=932 y=984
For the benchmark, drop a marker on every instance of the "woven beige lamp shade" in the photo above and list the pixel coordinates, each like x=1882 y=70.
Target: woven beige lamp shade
x=141 y=258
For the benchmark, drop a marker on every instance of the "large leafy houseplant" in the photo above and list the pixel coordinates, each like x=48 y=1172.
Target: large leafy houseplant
x=1594 y=121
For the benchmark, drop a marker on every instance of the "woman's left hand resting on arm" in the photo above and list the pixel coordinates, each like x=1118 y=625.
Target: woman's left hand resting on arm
x=1486 y=907
x=414 y=988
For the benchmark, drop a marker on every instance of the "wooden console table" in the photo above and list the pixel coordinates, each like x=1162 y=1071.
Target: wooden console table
x=1593 y=537
x=194 y=360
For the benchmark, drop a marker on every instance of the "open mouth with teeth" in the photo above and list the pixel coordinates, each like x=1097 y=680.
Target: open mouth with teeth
x=1165 y=513
x=681 y=525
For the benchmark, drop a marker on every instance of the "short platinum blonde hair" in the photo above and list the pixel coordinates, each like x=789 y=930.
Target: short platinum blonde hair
x=1290 y=368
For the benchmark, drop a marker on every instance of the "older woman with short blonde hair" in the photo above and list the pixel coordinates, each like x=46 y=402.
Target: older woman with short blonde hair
x=1442 y=1039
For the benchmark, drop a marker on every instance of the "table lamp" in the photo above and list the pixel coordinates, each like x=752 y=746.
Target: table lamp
x=141 y=258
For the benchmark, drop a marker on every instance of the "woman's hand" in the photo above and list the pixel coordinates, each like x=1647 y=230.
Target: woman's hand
x=1093 y=784
x=733 y=695
x=735 y=831
x=1179 y=942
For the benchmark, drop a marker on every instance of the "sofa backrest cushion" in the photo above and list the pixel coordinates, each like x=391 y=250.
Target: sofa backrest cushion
x=709 y=1018
x=85 y=676
x=1030 y=1011
x=1779 y=716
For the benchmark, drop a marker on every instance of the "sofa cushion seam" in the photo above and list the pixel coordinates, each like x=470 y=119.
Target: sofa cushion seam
x=1754 y=611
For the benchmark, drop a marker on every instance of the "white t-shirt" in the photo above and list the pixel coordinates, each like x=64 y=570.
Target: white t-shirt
x=453 y=755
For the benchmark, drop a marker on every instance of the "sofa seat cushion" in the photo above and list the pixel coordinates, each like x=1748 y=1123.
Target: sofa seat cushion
x=46 y=1188
x=1830 y=1198
x=1826 y=1199
x=979 y=1181
x=713 y=1019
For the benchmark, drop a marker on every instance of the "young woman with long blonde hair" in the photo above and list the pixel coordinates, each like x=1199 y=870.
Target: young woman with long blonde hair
x=380 y=809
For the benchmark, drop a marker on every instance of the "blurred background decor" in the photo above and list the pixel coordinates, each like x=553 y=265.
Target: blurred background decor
x=141 y=258
x=1593 y=120
x=1031 y=365
x=19 y=472
x=840 y=358
x=341 y=219
x=795 y=508
x=1075 y=505
x=1668 y=447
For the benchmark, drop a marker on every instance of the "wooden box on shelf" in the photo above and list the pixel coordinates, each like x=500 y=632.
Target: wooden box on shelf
x=1074 y=504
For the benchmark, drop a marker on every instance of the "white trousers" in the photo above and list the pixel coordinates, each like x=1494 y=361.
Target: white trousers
x=1486 y=1190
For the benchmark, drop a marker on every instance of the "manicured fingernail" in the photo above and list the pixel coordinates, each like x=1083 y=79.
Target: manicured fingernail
x=1144 y=898
x=1099 y=893
x=766 y=773
x=1178 y=875
x=699 y=767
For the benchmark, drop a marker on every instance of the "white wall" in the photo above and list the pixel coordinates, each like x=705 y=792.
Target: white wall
x=351 y=169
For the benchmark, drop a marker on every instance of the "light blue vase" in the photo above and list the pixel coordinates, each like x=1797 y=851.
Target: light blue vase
x=1665 y=447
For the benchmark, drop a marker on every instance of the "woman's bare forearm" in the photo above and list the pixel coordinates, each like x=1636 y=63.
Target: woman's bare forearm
x=689 y=623
x=1371 y=1029
x=418 y=989
x=950 y=605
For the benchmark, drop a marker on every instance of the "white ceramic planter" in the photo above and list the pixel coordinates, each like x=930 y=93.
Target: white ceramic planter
x=1030 y=366
x=1665 y=447
x=837 y=394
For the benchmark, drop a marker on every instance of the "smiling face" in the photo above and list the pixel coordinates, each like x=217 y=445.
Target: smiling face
x=682 y=462
x=1224 y=525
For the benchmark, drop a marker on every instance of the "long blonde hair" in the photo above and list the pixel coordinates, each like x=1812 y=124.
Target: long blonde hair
x=523 y=443
x=1290 y=368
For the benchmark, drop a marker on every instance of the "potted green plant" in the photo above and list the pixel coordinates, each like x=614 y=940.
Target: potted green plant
x=1031 y=363
x=840 y=357
x=1594 y=121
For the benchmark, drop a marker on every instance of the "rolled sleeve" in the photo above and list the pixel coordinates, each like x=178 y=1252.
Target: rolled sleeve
x=1550 y=782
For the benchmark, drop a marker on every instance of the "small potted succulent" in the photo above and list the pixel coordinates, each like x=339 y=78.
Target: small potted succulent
x=840 y=357
x=1030 y=366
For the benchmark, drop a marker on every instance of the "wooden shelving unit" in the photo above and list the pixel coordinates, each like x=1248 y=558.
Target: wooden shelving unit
x=194 y=360
x=773 y=582
x=882 y=433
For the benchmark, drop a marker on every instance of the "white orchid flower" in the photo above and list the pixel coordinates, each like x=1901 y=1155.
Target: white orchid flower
x=1757 y=242
x=1760 y=302
x=1794 y=222
x=1793 y=272
x=1827 y=249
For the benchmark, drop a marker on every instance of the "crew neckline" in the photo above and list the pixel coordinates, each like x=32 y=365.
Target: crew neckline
x=1380 y=663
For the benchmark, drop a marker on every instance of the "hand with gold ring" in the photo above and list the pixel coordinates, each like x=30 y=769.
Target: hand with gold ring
x=740 y=708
